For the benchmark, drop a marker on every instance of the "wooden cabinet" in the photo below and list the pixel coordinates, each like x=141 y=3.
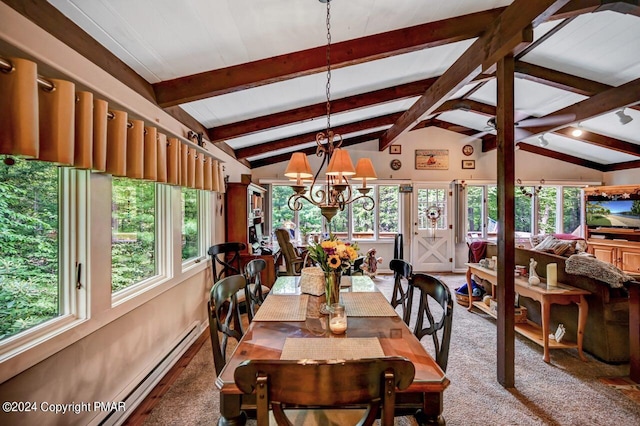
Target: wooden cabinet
x=244 y=216
x=623 y=254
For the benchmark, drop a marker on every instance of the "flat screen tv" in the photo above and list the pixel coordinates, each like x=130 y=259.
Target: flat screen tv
x=620 y=213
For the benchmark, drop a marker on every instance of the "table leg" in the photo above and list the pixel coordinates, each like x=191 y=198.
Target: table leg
x=545 y=307
x=431 y=412
x=469 y=289
x=230 y=413
x=583 y=309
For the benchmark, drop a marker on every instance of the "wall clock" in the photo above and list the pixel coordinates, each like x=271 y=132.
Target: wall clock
x=396 y=164
x=467 y=150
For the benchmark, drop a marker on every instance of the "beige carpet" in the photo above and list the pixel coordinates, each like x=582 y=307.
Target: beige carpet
x=565 y=392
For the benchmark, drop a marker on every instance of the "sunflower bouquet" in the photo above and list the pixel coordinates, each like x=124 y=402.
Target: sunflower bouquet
x=333 y=255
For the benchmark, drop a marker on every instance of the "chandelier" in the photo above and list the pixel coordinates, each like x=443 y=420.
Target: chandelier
x=334 y=192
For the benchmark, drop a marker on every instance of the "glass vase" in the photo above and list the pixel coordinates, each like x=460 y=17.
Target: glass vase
x=332 y=286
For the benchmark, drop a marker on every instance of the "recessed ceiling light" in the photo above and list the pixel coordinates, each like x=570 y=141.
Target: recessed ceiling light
x=577 y=131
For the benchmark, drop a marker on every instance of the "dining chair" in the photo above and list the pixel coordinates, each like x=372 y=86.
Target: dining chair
x=400 y=296
x=225 y=259
x=440 y=331
x=293 y=261
x=254 y=291
x=326 y=386
x=224 y=316
x=398 y=247
x=356 y=268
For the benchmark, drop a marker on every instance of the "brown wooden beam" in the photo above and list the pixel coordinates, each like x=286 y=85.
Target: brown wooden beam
x=506 y=222
x=506 y=34
x=602 y=103
x=629 y=7
x=299 y=115
x=562 y=157
x=255 y=150
x=311 y=150
x=601 y=140
x=623 y=166
x=310 y=61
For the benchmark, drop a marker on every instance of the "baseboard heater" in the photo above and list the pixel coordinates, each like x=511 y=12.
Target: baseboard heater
x=137 y=395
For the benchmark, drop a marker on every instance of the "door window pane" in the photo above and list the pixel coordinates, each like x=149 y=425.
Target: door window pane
x=29 y=245
x=190 y=232
x=133 y=230
x=432 y=204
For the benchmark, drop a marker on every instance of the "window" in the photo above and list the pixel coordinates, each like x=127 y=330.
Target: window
x=133 y=232
x=190 y=219
x=388 y=210
x=541 y=208
x=354 y=222
x=30 y=287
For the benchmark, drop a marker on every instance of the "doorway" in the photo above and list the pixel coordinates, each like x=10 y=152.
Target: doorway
x=432 y=242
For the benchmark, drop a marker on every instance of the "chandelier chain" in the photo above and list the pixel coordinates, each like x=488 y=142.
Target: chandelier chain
x=328 y=68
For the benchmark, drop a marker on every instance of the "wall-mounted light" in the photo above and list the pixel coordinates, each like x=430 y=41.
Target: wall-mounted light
x=543 y=141
x=624 y=118
x=577 y=132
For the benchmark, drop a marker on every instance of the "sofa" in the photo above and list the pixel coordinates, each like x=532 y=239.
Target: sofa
x=606 y=335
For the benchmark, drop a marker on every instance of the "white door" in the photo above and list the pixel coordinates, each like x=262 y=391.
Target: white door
x=432 y=239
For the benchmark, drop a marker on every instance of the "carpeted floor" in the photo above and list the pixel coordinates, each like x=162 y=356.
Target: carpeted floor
x=565 y=392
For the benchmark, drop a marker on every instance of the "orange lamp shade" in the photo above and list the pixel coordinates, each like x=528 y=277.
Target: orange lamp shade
x=298 y=167
x=365 y=170
x=340 y=164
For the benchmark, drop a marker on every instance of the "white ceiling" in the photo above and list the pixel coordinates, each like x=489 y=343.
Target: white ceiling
x=166 y=39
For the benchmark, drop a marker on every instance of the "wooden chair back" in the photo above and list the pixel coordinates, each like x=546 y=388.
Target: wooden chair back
x=293 y=262
x=225 y=259
x=325 y=384
x=400 y=295
x=224 y=316
x=398 y=247
x=440 y=330
x=253 y=290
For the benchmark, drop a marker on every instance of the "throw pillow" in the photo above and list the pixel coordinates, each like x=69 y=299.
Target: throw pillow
x=579 y=264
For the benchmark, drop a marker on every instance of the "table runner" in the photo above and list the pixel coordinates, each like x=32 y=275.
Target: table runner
x=321 y=349
x=283 y=308
x=370 y=304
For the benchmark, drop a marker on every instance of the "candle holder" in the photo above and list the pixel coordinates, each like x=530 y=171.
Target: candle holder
x=337 y=319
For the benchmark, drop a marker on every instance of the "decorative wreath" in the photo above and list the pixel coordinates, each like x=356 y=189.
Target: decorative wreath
x=433 y=213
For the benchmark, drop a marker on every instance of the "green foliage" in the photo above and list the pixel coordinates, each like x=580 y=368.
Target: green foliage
x=190 y=241
x=28 y=245
x=132 y=215
x=388 y=208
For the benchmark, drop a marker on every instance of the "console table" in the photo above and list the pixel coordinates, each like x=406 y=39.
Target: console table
x=562 y=295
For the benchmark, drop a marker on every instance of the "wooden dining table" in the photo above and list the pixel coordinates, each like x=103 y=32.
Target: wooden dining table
x=292 y=326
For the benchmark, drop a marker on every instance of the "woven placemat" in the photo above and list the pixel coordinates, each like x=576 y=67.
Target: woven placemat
x=370 y=304
x=351 y=348
x=283 y=308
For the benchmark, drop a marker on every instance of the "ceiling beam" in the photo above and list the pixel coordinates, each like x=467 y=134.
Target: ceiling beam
x=629 y=7
x=305 y=62
x=623 y=166
x=306 y=113
x=311 y=150
x=562 y=157
x=601 y=103
x=292 y=141
x=507 y=34
x=601 y=140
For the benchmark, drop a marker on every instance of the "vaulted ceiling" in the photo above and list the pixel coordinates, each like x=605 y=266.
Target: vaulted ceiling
x=250 y=75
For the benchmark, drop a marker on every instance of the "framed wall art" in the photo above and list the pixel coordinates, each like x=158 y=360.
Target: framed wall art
x=468 y=164
x=395 y=149
x=432 y=159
